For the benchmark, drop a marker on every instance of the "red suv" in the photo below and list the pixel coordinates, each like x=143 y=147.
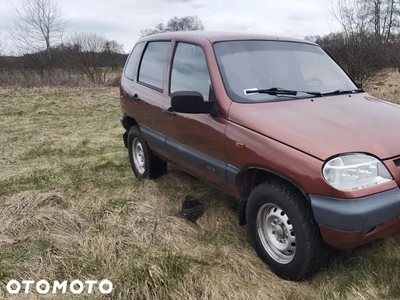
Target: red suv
x=278 y=124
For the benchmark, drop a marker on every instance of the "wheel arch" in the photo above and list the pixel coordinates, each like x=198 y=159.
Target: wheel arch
x=254 y=176
x=127 y=122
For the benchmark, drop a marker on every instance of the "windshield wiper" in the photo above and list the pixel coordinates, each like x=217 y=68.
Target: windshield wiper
x=279 y=91
x=271 y=91
x=343 y=92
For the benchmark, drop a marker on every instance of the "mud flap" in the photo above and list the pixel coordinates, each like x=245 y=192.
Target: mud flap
x=125 y=137
x=242 y=212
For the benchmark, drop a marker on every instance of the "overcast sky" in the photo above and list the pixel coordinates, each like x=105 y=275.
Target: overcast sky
x=122 y=20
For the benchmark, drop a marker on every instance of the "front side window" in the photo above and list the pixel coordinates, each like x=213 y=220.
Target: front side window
x=293 y=66
x=130 y=68
x=189 y=70
x=153 y=62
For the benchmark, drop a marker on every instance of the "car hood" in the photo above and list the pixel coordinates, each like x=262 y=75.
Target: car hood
x=327 y=126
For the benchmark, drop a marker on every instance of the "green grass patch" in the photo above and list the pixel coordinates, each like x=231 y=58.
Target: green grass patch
x=37 y=179
x=47 y=151
x=111 y=165
x=13 y=256
x=80 y=266
x=115 y=205
x=216 y=238
x=157 y=274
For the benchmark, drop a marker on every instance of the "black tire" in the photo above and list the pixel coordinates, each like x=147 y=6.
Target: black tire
x=153 y=167
x=310 y=252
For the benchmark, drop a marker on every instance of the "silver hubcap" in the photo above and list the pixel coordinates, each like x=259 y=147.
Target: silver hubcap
x=138 y=155
x=276 y=233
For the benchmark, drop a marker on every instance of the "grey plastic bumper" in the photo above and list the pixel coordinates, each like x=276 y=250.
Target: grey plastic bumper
x=356 y=214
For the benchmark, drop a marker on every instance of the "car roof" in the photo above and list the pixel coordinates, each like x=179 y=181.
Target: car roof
x=219 y=36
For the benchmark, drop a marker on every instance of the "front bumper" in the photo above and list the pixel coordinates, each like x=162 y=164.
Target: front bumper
x=348 y=223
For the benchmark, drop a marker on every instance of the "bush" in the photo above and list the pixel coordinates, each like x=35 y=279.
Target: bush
x=360 y=55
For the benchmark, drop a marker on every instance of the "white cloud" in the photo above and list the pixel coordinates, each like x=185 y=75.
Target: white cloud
x=122 y=20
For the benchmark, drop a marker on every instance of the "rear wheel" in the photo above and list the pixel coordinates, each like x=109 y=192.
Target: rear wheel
x=283 y=231
x=144 y=163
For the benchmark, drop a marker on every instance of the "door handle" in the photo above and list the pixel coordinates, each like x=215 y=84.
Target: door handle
x=170 y=113
x=135 y=98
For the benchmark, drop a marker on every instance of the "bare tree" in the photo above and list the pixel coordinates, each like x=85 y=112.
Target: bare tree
x=368 y=39
x=185 y=24
x=2 y=44
x=351 y=15
x=383 y=16
x=176 y=24
x=88 y=42
x=392 y=18
x=160 y=28
x=37 y=26
x=361 y=55
x=378 y=17
x=93 y=55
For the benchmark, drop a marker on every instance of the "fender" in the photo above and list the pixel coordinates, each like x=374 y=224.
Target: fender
x=252 y=176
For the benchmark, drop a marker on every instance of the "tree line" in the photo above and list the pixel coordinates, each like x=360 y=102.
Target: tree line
x=87 y=57
x=368 y=40
x=369 y=36
x=46 y=57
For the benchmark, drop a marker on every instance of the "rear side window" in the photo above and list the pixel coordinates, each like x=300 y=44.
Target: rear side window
x=152 y=66
x=189 y=70
x=131 y=65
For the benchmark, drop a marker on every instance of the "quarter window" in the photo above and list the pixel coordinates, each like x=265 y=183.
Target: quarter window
x=130 y=68
x=189 y=70
x=152 y=66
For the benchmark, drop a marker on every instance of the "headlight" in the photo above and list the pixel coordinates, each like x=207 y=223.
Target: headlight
x=355 y=171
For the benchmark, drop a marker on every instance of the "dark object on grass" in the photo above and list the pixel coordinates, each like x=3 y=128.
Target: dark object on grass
x=192 y=208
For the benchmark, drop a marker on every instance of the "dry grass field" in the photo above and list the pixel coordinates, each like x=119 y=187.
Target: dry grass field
x=70 y=208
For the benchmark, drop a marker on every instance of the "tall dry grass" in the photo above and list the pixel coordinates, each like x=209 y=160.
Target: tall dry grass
x=29 y=78
x=70 y=208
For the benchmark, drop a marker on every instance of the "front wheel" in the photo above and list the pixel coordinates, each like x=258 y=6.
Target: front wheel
x=283 y=231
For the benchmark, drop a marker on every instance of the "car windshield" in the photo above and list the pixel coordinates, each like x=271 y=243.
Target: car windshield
x=277 y=65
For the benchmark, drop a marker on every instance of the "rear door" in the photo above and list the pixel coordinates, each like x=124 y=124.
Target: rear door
x=144 y=91
x=195 y=142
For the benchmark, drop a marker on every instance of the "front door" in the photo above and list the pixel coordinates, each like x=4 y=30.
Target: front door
x=195 y=142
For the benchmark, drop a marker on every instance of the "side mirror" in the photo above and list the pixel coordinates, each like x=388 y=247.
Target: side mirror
x=190 y=103
x=359 y=84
